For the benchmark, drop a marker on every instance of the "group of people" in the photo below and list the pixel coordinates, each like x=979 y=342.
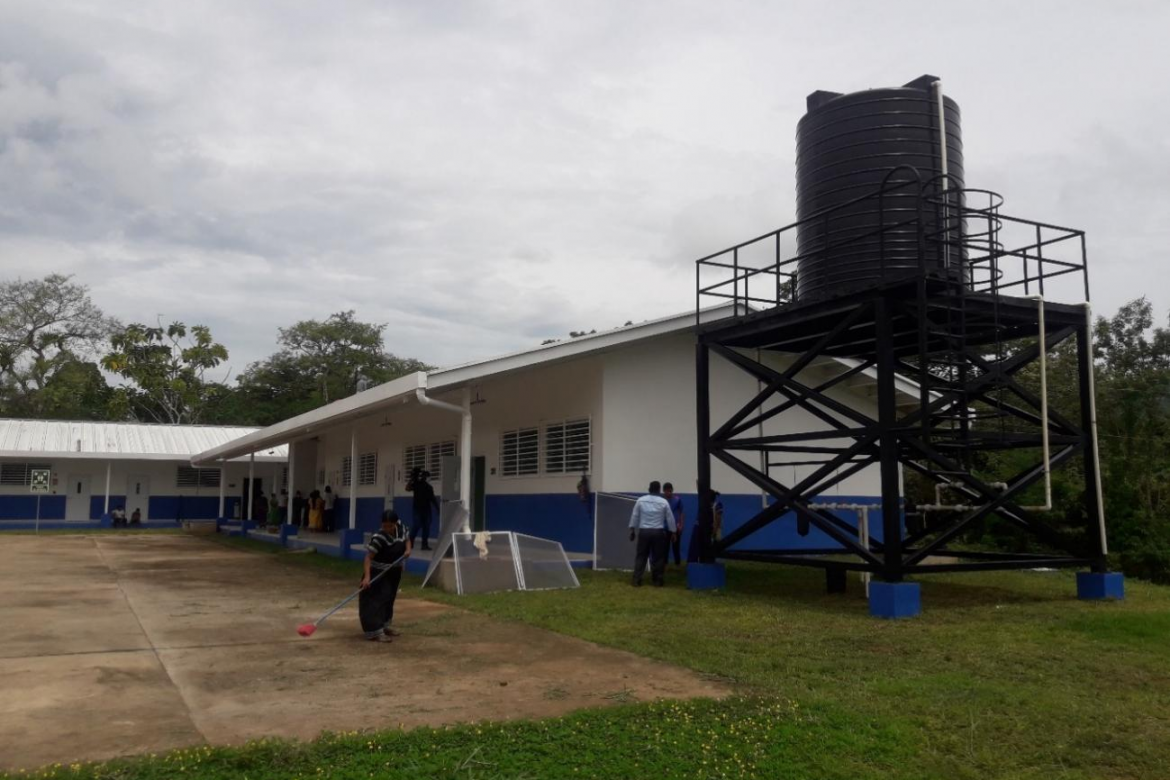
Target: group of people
x=315 y=513
x=118 y=517
x=657 y=523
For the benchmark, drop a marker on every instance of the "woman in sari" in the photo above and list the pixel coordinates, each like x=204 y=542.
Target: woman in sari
x=316 y=511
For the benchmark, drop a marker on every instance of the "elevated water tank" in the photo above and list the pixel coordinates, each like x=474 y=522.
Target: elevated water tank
x=846 y=144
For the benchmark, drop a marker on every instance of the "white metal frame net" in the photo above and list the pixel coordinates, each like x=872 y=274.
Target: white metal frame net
x=487 y=562
x=612 y=548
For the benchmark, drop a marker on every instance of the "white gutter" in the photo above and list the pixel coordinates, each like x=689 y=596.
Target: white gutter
x=464 y=445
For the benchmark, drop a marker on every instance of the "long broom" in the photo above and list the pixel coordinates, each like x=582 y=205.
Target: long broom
x=307 y=629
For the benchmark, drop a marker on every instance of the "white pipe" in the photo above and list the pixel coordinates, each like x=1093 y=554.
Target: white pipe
x=222 y=485
x=465 y=462
x=1047 y=505
x=353 y=477
x=942 y=147
x=106 y=510
x=862 y=527
x=1093 y=432
x=465 y=444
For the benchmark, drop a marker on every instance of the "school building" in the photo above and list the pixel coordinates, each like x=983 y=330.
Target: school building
x=96 y=467
x=534 y=435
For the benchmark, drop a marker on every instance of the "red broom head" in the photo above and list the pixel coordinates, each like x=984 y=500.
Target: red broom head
x=306 y=630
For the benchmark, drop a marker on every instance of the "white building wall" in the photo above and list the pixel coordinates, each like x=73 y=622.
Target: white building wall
x=649 y=400
x=159 y=480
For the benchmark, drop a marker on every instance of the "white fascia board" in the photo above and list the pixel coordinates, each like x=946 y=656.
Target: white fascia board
x=401 y=390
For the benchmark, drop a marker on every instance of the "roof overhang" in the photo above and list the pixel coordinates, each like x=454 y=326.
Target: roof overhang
x=32 y=455
x=399 y=391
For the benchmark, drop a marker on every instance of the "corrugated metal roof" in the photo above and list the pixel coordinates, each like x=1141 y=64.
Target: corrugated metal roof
x=71 y=439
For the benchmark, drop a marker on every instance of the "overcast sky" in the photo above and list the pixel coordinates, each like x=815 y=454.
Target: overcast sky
x=481 y=176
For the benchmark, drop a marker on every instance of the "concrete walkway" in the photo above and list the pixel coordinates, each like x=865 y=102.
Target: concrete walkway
x=117 y=645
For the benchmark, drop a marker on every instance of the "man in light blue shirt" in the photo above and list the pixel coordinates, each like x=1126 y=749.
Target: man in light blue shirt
x=652 y=521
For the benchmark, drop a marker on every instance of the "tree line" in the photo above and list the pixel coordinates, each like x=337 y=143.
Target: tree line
x=59 y=353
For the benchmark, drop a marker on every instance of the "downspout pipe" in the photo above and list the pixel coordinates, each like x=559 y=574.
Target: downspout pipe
x=464 y=443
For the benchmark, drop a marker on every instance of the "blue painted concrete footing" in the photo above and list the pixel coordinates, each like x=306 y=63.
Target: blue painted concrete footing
x=348 y=536
x=894 y=599
x=286 y=531
x=1092 y=586
x=706 y=576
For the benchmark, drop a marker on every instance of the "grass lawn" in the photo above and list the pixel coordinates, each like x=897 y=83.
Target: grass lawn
x=1003 y=675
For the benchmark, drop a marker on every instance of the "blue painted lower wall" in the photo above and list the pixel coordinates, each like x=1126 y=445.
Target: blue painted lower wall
x=368 y=517
x=560 y=516
x=171 y=508
x=568 y=520
x=25 y=507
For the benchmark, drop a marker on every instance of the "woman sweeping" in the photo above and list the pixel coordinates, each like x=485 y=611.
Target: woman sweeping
x=385 y=553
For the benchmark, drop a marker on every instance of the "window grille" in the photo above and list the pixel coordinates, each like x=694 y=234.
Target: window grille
x=435 y=455
x=346 y=471
x=19 y=473
x=414 y=458
x=368 y=469
x=567 y=447
x=190 y=477
x=519 y=452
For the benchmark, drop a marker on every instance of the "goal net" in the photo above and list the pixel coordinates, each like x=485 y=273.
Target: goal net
x=487 y=562
x=612 y=548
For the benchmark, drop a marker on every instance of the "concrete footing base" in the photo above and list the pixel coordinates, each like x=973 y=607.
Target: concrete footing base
x=894 y=600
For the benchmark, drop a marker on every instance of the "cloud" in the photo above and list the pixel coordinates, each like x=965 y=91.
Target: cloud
x=481 y=176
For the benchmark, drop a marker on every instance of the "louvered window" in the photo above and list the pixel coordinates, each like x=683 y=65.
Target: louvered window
x=189 y=477
x=567 y=447
x=368 y=469
x=19 y=473
x=519 y=452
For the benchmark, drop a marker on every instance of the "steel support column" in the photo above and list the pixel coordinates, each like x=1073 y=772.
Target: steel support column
x=888 y=445
x=705 y=519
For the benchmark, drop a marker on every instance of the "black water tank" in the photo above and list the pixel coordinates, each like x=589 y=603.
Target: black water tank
x=845 y=147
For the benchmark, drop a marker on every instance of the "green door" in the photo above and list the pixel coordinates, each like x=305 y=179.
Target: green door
x=478 y=494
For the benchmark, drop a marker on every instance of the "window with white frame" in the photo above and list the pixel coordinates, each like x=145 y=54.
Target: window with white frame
x=520 y=452
x=567 y=446
x=414 y=458
x=321 y=477
x=19 y=473
x=368 y=469
x=346 y=471
x=189 y=477
x=435 y=454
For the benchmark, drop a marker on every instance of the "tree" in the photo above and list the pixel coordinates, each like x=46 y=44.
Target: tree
x=47 y=326
x=318 y=362
x=166 y=369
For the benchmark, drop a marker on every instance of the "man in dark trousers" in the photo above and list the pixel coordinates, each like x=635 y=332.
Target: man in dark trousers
x=424 y=499
x=652 y=523
x=376 y=602
x=676 y=508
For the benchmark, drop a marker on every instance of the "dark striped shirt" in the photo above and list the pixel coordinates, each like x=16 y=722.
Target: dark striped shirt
x=386 y=547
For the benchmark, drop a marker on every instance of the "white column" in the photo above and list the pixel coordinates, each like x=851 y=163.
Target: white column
x=106 y=510
x=222 y=485
x=465 y=459
x=353 y=477
x=289 y=487
x=251 y=484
